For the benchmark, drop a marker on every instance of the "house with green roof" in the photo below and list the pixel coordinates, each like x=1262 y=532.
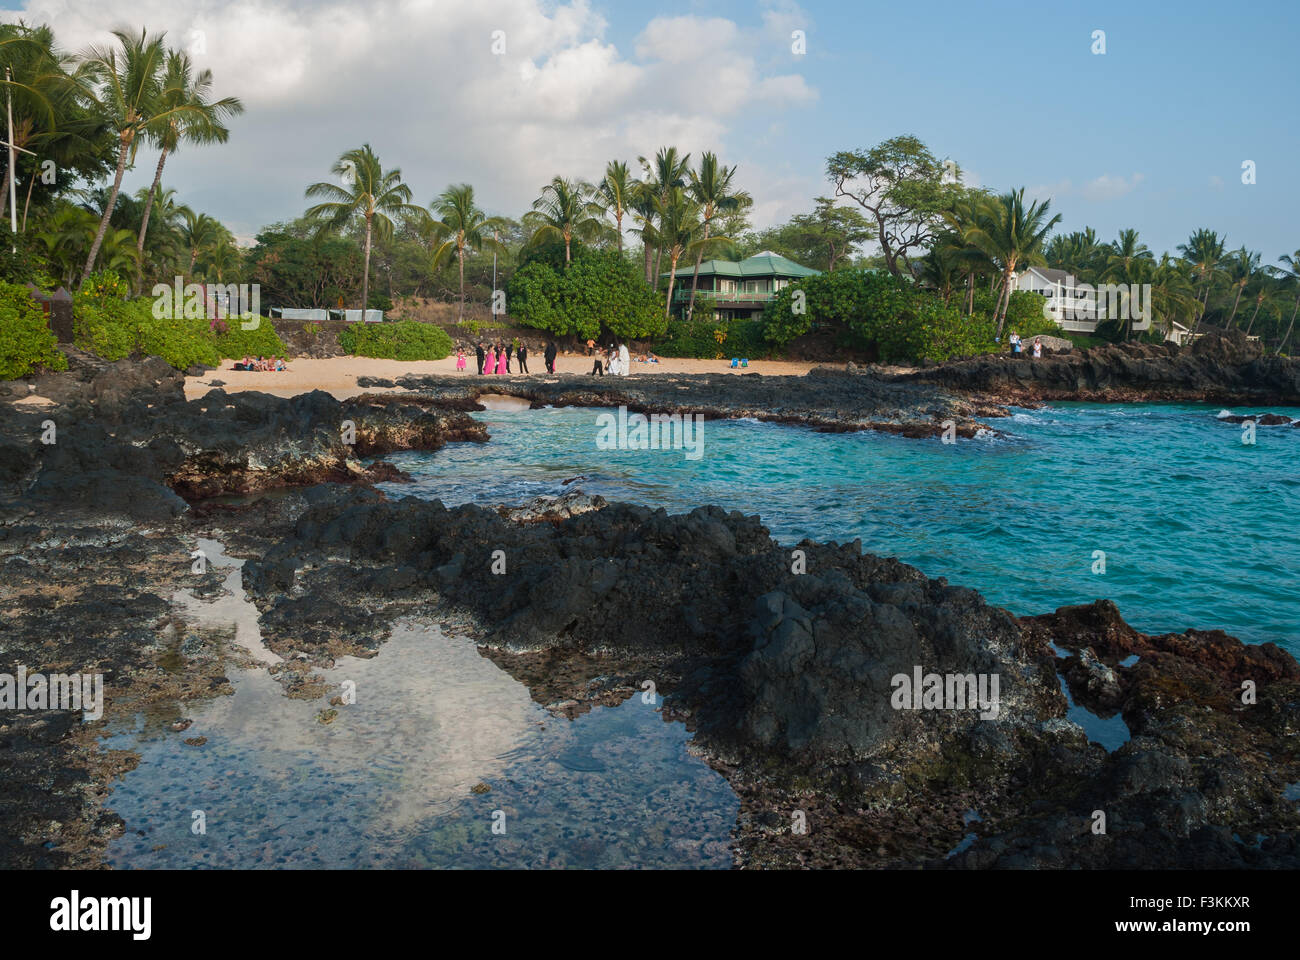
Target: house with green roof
x=737 y=290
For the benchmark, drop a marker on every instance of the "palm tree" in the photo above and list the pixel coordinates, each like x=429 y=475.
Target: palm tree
x=197 y=231
x=460 y=225
x=1265 y=286
x=1203 y=250
x=128 y=92
x=1173 y=298
x=1241 y=269
x=564 y=211
x=616 y=194
x=1292 y=274
x=1127 y=251
x=643 y=210
x=711 y=189
x=188 y=116
x=665 y=174
x=1012 y=235
x=370 y=193
x=679 y=221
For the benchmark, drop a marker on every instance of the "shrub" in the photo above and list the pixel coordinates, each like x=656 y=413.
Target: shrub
x=400 y=340
x=705 y=338
x=107 y=324
x=235 y=342
x=26 y=340
x=598 y=293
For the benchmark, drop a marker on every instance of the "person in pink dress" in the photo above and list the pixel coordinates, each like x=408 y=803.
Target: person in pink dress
x=501 y=359
x=460 y=359
x=490 y=364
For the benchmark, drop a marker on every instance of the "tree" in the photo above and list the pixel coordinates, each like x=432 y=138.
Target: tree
x=1127 y=251
x=1203 y=250
x=198 y=230
x=564 y=211
x=616 y=193
x=187 y=116
x=679 y=227
x=128 y=88
x=1292 y=274
x=900 y=184
x=1242 y=266
x=598 y=292
x=711 y=189
x=461 y=226
x=1012 y=235
x=667 y=172
x=370 y=193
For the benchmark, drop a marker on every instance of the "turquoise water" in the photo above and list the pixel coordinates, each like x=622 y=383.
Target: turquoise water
x=1197 y=528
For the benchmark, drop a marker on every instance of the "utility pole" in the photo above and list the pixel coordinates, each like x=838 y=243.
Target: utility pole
x=13 y=172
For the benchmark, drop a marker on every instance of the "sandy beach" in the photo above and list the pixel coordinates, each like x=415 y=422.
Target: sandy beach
x=338 y=375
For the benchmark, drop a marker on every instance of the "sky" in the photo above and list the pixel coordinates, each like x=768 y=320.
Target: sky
x=1151 y=134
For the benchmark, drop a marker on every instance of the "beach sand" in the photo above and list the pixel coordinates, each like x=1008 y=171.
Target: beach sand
x=338 y=375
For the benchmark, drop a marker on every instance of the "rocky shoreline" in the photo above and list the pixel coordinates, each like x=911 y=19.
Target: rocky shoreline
x=781 y=663
x=1221 y=367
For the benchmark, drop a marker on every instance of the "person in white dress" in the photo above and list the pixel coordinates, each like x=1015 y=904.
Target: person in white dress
x=624 y=360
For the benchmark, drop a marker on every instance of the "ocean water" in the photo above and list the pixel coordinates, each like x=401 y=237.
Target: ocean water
x=1159 y=507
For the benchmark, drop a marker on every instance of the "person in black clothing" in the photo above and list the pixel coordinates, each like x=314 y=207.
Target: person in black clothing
x=510 y=349
x=550 y=356
x=479 y=351
x=598 y=370
x=523 y=358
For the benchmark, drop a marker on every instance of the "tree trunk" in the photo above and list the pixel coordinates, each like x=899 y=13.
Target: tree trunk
x=31 y=182
x=460 y=316
x=659 y=255
x=695 y=279
x=618 y=219
x=144 y=219
x=1004 y=295
x=646 y=247
x=123 y=148
x=365 y=276
x=1289 y=328
x=1258 y=301
x=1233 y=315
x=668 y=302
x=970 y=293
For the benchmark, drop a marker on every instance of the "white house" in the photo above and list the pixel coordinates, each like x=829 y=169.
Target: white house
x=1074 y=305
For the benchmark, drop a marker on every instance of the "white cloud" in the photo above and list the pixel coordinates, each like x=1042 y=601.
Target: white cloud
x=1107 y=187
x=418 y=80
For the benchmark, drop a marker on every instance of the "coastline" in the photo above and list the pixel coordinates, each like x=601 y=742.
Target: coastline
x=93 y=527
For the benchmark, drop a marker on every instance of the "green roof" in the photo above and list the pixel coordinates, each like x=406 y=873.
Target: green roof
x=765 y=264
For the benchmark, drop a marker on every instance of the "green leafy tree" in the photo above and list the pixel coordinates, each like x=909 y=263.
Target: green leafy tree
x=1012 y=236
x=900 y=185
x=616 y=193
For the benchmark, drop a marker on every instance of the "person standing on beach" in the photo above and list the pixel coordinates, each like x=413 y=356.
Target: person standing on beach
x=503 y=360
x=1015 y=342
x=523 y=358
x=479 y=351
x=624 y=360
x=460 y=359
x=598 y=369
x=549 y=355
x=510 y=349
x=491 y=361
x=1038 y=347
x=591 y=348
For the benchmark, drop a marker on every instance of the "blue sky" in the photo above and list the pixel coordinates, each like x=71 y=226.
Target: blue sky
x=1151 y=135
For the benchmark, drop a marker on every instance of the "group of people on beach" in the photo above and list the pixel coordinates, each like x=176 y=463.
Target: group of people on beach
x=496 y=358
x=614 y=360
x=261 y=364
x=1017 y=345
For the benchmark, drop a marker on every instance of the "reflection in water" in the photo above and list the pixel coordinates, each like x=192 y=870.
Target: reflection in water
x=390 y=782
